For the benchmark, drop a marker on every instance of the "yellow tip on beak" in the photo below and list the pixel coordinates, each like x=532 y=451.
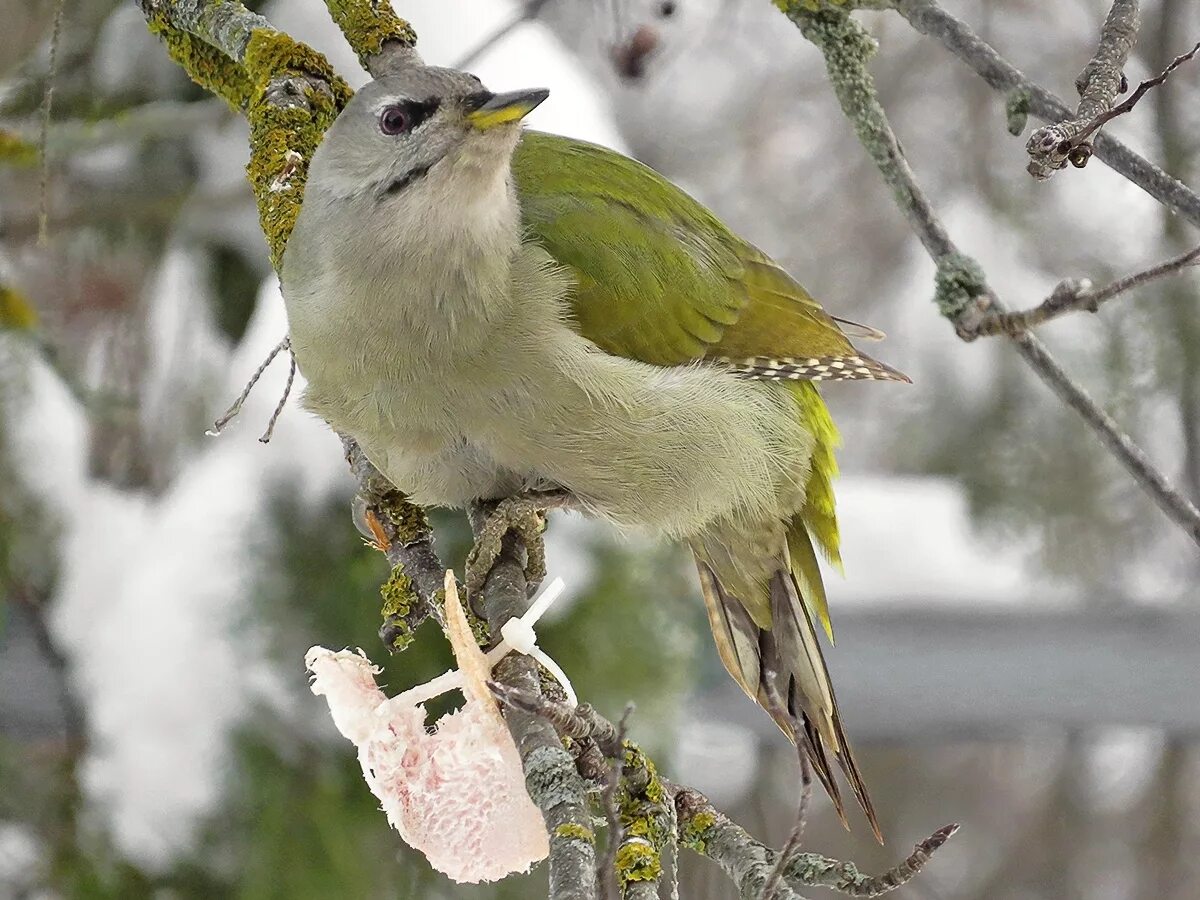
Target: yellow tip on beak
x=486 y=110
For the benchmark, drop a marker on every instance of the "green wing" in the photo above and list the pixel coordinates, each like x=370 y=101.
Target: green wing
x=660 y=279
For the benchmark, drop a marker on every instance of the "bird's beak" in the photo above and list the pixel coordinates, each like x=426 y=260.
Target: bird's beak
x=487 y=110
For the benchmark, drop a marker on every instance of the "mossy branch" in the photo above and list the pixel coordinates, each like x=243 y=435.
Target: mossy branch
x=288 y=92
x=705 y=830
x=379 y=37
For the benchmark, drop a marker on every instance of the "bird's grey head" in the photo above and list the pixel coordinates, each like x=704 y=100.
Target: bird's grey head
x=420 y=131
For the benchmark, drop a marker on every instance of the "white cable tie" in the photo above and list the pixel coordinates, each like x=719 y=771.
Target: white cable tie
x=559 y=675
x=518 y=634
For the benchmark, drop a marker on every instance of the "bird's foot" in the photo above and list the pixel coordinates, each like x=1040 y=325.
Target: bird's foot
x=524 y=516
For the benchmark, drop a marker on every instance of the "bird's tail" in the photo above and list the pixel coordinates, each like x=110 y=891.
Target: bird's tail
x=762 y=613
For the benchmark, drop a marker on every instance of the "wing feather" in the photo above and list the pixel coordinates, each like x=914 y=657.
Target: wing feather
x=659 y=278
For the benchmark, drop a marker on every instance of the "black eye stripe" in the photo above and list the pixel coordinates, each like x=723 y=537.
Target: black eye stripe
x=415 y=111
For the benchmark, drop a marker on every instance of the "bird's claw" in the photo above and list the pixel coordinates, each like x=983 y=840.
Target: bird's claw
x=524 y=516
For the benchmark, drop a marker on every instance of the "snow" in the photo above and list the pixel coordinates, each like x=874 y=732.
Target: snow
x=154 y=592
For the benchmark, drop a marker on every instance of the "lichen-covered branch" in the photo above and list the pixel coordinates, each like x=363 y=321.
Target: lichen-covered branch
x=1074 y=295
x=400 y=529
x=551 y=777
x=289 y=93
x=1027 y=97
x=379 y=37
x=1052 y=146
x=962 y=293
x=749 y=863
x=698 y=825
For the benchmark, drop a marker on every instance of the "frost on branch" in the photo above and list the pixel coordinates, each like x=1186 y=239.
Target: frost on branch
x=455 y=792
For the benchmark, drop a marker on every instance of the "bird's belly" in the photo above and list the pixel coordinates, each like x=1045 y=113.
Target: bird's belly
x=431 y=430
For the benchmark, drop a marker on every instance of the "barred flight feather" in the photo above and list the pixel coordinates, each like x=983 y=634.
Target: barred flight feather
x=822 y=368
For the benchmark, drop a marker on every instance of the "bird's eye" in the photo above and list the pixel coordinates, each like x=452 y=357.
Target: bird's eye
x=666 y=9
x=394 y=120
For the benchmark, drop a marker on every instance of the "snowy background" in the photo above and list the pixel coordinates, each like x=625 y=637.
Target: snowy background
x=1016 y=618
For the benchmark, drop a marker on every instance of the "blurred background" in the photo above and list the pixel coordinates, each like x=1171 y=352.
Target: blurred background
x=1018 y=631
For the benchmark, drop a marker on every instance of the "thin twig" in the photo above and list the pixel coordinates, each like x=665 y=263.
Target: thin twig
x=796 y=838
x=962 y=294
x=779 y=710
x=553 y=780
x=1078 y=295
x=1052 y=146
x=528 y=13
x=928 y=18
x=1140 y=91
x=219 y=425
x=708 y=831
x=44 y=136
x=608 y=797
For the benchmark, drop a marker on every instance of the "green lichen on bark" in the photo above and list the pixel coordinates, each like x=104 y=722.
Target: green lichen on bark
x=637 y=862
x=695 y=831
x=847 y=48
x=574 y=831
x=812 y=868
x=641 y=807
x=370 y=24
x=1016 y=109
x=296 y=97
x=204 y=63
x=802 y=7
x=957 y=284
x=399 y=599
x=16 y=151
x=411 y=523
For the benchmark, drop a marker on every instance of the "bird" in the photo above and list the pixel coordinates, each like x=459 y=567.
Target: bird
x=493 y=312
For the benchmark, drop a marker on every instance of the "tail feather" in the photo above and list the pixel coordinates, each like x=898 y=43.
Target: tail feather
x=784 y=663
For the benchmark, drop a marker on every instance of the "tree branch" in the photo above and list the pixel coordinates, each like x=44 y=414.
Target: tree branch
x=381 y=39
x=1052 y=146
x=927 y=17
x=706 y=830
x=550 y=774
x=527 y=13
x=1078 y=295
x=962 y=293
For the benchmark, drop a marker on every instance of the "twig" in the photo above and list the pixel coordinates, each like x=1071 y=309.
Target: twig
x=1140 y=91
x=962 y=293
x=44 y=136
x=706 y=830
x=927 y=17
x=382 y=40
x=607 y=871
x=796 y=837
x=1052 y=146
x=1079 y=295
x=780 y=711
x=528 y=13
x=402 y=532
